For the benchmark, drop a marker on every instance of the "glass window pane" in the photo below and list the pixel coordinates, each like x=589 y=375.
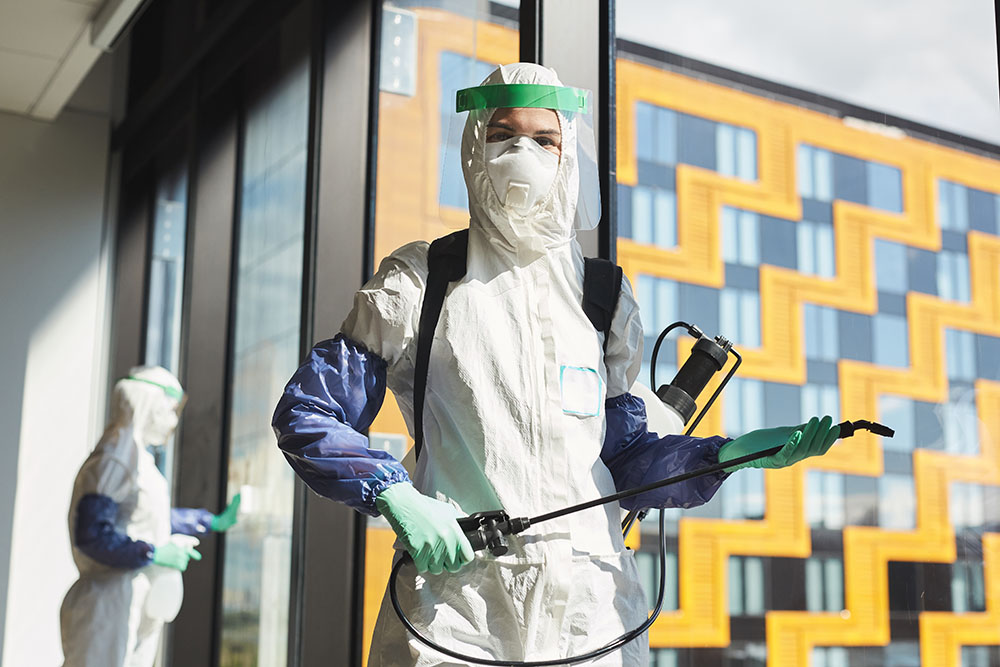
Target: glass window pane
x=665 y=217
x=804 y=166
x=823 y=174
x=730 y=235
x=749 y=225
x=885 y=187
x=725 y=149
x=165 y=295
x=890 y=266
x=642 y=215
x=268 y=287
x=746 y=154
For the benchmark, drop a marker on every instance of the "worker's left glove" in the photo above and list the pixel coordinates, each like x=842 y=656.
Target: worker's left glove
x=811 y=439
x=227 y=519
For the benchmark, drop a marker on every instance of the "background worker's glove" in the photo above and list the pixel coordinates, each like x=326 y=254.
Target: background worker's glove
x=175 y=555
x=428 y=528
x=227 y=518
x=800 y=442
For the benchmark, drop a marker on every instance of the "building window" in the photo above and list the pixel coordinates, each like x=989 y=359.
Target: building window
x=967 y=586
x=891 y=340
x=961 y=424
x=740 y=237
x=980 y=656
x=654 y=216
x=746 y=586
x=953 y=276
x=824 y=584
x=830 y=656
x=885 y=187
x=820 y=333
x=656 y=134
x=960 y=354
x=736 y=151
x=896 y=502
x=648 y=564
x=663 y=657
x=953 y=206
x=743 y=495
x=819 y=400
x=816 y=248
x=967 y=506
x=739 y=316
x=457 y=71
x=743 y=406
x=890 y=267
x=666 y=137
x=815 y=172
x=825 y=500
x=897 y=413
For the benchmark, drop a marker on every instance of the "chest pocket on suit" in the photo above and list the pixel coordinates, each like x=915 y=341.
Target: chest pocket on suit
x=581 y=391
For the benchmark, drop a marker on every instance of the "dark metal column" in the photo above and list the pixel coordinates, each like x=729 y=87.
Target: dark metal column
x=530 y=21
x=331 y=564
x=130 y=266
x=201 y=451
x=607 y=133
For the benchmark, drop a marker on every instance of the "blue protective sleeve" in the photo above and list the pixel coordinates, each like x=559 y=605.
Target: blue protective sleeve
x=97 y=536
x=333 y=396
x=636 y=457
x=190 y=521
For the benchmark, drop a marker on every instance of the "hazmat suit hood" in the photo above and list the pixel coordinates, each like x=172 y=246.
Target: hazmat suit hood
x=140 y=401
x=547 y=224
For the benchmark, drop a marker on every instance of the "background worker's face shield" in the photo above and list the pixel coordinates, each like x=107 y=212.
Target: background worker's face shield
x=573 y=109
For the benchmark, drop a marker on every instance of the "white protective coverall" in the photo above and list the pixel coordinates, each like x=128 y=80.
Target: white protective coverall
x=511 y=337
x=102 y=617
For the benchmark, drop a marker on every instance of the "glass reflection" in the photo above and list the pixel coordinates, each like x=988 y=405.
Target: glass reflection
x=256 y=580
x=165 y=294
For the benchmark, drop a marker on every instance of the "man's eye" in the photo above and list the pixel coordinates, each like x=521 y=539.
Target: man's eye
x=498 y=136
x=544 y=141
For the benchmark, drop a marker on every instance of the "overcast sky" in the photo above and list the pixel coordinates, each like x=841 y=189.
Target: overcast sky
x=931 y=61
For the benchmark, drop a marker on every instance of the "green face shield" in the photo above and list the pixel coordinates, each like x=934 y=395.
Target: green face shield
x=494 y=96
x=574 y=106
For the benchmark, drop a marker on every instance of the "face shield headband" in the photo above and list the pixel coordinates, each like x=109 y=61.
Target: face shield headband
x=172 y=392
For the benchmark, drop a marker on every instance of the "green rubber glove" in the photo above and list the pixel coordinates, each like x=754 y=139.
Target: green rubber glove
x=175 y=555
x=227 y=519
x=801 y=442
x=426 y=527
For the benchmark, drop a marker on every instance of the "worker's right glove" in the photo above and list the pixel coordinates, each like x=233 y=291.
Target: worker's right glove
x=428 y=528
x=227 y=518
x=175 y=555
x=800 y=442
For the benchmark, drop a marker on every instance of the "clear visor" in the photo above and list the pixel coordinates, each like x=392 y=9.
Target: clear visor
x=573 y=104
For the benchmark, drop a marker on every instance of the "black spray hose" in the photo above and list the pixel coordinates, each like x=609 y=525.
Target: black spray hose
x=486 y=530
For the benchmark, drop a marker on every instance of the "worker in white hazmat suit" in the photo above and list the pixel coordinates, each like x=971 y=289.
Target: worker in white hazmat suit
x=120 y=522
x=526 y=408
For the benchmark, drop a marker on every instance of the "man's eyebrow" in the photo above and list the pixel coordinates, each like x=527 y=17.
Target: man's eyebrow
x=510 y=128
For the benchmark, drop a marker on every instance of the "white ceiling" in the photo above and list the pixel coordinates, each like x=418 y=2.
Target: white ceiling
x=40 y=53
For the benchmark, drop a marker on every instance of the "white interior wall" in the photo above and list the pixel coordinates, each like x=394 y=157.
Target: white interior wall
x=53 y=338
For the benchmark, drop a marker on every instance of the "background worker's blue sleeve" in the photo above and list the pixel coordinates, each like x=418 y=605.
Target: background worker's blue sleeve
x=97 y=536
x=190 y=521
x=636 y=457
x=333 y=396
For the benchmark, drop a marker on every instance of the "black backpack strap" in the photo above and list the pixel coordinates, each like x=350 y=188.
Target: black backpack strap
x=602 y=283
x=446 y=262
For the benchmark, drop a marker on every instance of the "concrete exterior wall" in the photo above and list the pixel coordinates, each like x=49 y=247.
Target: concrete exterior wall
x=53 y=294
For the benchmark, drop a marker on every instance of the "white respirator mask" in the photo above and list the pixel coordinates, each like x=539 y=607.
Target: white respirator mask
x=521 y=172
